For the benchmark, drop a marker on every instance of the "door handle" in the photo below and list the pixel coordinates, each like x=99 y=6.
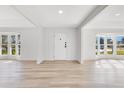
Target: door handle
x=65 y=45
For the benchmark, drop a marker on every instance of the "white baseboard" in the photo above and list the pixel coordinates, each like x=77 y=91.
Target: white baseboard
x=62 y=60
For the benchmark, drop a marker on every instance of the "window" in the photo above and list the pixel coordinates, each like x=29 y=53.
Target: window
x=109 y=44
x=96 y=45
x=10 y=44
x=100 y=45
x=19 y=44
x=120 y=45
x=4 y=45
x=101 y=42
x=13 y=44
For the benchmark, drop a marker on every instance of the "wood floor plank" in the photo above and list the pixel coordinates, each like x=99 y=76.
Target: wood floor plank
x=101 y=73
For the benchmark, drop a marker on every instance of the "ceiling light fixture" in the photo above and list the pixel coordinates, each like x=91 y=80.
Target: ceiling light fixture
x=60 y=12
x=117 y=14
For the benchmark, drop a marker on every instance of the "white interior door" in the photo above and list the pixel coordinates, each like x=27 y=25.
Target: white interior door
x=60 y=46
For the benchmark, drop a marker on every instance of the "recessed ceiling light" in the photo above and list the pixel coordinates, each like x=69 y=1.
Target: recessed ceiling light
x=60 y=12
x=117 y=14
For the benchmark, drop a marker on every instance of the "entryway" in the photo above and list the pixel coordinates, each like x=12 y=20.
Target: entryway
x=60 y=46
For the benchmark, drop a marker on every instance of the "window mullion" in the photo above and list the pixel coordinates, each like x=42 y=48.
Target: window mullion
x=98 y=46
x=105 y=45
x=114 y=45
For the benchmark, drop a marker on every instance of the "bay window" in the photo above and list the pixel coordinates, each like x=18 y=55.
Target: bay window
x=109 y=44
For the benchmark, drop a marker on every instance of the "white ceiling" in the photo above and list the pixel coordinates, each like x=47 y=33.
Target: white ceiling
x=108 y=19
x=11 y=18
x=47 y=15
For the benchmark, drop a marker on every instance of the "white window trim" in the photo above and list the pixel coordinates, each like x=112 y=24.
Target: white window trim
x=106 y=55
x=9 y=55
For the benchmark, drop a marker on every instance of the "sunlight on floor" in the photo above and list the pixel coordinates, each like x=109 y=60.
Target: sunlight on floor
x=109 y=63
x=6 y=61
x=12 y=65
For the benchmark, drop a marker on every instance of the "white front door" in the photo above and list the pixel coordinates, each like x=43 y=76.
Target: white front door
x=60 y=46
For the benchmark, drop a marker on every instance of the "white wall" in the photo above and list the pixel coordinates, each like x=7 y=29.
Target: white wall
x=38 y=43
x=30 y=38
x=88 y=44
x=89 y=40
x=79 y=44
x=72 y=43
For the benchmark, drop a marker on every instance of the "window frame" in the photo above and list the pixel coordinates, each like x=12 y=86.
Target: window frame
x=114 y=44
x=10 y=44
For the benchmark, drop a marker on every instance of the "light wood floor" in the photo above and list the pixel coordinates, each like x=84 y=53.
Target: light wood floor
x=102 y=73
